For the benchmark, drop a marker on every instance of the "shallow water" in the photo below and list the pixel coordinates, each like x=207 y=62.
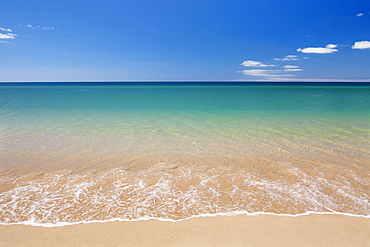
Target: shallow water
x=81 y=153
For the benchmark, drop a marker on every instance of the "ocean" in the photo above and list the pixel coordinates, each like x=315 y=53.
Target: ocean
x=93 y=152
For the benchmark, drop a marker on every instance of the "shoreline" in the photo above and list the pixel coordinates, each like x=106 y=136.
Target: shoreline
x=230 y=214
x=239 y=230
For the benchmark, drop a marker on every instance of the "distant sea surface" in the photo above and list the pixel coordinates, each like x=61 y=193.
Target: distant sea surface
x=86 y=152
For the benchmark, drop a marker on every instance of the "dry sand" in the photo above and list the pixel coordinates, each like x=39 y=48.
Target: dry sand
x=263 y=230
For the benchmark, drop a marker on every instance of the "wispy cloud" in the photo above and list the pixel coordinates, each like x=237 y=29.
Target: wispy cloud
x=263 y=72
x=330 y=48
x=319 y=79
x=5 y=29
x=288 y=58
x=7 y=36
x=292 y=68
x=360 y=14
x=361 y=45
x=39 y=27
x=294 y=79
x=30 y=26
x=270 y=74
x=250 y=63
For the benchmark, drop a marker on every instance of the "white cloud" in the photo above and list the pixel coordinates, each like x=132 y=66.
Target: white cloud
x=361 y=45
x=360 y=14
x=288 y=58
x=259 y=72
x=47 y=28
x=270 y=73
x=264 y=73
x=290 y=67
x=293 y=70
x=295 y=79
x=250 y=63
x=7 y=36
x=292 y=57
x=5 y=29
x=330 y=48
x=39 y=27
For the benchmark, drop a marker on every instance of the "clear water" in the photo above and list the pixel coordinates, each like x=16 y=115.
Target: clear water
x=79 y=153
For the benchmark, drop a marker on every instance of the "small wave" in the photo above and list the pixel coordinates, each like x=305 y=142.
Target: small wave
x=172 y=193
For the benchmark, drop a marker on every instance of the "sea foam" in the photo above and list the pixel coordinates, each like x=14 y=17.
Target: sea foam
x=174 y=194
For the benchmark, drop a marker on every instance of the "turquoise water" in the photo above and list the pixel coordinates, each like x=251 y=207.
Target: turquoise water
x=188 y=98
x=72 y=153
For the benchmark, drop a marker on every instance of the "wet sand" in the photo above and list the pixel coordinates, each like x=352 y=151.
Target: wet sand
x=263 y=230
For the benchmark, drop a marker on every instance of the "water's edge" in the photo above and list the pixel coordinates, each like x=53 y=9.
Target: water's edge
x=61 y=224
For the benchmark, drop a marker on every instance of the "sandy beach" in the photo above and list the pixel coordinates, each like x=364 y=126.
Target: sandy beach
x=263 y=230
x=96 y=153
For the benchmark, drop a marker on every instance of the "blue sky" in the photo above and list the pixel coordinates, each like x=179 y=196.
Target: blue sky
x=230 y=40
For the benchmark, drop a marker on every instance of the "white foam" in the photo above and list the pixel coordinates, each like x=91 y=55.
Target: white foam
x=154 y=194
x=236 y=213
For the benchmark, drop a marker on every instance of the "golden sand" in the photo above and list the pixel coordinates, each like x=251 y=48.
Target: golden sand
x=263 y=230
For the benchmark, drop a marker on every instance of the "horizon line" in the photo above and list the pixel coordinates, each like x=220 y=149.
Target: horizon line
x=192 y=81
